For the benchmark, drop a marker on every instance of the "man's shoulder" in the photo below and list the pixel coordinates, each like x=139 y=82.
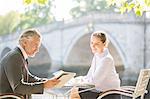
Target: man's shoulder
x=12 y=54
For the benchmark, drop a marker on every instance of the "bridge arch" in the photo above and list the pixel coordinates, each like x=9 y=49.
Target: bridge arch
x=76 y=50
x=41 y=68
x=77 y=37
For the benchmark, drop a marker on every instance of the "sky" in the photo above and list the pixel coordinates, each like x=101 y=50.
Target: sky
x=10 y=5
x=61 y=10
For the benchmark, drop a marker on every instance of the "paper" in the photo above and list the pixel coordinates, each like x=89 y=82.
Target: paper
x=79 y=82
x=64 y=77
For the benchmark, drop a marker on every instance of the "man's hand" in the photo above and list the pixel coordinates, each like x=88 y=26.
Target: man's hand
x=51 y=83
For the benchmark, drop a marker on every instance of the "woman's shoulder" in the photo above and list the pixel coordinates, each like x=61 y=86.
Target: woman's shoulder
x=108 y=58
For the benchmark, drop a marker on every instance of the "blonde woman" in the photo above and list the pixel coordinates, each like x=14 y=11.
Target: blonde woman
x=102 y=72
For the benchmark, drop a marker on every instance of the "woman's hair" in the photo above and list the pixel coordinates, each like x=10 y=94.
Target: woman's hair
x=29 y=33
x=102 y=36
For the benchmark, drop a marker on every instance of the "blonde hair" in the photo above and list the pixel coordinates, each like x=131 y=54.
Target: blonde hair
x=102 y=36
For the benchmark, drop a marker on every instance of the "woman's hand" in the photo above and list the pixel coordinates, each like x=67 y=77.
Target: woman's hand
x=74 y=93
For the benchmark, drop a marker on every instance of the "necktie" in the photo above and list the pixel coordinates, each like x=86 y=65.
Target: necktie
x=26 y=71
x=27 y=61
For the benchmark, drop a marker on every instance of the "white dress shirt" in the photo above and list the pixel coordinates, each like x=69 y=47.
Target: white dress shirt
x=102 y=72
x=23 y=52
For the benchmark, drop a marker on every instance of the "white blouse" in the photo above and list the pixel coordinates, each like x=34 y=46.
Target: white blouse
x=102 y=72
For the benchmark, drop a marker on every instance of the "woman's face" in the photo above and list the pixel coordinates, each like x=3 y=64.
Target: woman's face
x=97 y=46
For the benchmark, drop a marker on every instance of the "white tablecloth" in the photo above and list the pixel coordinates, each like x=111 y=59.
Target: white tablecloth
x=57 y=93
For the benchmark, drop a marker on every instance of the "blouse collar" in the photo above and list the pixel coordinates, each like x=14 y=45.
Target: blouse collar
x=105 y=52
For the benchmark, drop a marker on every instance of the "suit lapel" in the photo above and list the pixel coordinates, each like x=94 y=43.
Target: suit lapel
x=25 y=66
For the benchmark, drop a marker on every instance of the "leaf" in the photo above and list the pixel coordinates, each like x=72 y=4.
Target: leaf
x=111 y=2
x=147 y=2
x=43 y=2
x=130 y=7
x=27 y=2
x=138 y=11
x=123 y=9
x=126 y=4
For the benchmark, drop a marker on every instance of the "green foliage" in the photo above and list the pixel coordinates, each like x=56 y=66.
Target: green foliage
x=42 y=1
x=83 y=7
x=39 y=2
x=27 y=1
x=138 y=11
x=130 y=6
x=35 y=16
x=138 y=6
x=147 y=2
x=110 y=2
x=9 y=22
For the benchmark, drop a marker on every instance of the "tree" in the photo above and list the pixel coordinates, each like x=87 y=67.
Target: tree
x=36 y=15
x=138 y=6
x=9 y=22
x=83 y=7
x=33 y=16
x=39 y=2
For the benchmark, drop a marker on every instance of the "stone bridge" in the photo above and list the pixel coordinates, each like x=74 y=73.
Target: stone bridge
x=67 y=43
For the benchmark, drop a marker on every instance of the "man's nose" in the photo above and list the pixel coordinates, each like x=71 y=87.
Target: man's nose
x=93 y=45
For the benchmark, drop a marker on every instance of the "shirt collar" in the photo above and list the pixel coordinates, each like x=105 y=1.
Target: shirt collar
x=23 y=52
x=102 y=54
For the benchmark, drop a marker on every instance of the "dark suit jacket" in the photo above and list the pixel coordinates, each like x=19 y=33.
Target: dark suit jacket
x=14 y=78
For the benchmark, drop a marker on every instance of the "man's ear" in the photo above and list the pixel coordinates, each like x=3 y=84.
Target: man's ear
x=24 y=42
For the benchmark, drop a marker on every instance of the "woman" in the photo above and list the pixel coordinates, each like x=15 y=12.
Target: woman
x=102 y=72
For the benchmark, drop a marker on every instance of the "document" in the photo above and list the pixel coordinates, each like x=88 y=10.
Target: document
x=64 y=77
x=79 y=82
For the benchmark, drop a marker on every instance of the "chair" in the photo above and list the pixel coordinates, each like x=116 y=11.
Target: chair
x=132 y=91
x=11 y=95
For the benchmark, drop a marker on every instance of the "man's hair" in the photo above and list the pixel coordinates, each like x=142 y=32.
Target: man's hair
x=29 y=33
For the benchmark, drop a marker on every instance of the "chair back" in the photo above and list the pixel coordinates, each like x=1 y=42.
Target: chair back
x=11 y=96
x=142 y=83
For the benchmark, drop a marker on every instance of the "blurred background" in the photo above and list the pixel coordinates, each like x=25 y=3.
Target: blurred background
x=66 y=26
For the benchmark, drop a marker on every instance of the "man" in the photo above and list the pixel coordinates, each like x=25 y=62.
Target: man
x=14 y=74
